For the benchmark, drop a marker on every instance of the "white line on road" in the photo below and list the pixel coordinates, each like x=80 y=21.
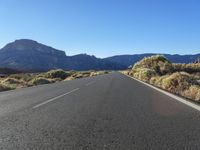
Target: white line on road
x=90 y=83
x=57 y=97
x=195 y=106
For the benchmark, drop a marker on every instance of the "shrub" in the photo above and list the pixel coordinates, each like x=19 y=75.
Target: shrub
x=157 y=70
x=189 y=68
x=179 y=81
x=77 y=75
x=4 y=87
x=11 y=81
x=86 y=73
x=57 y=74
x=96 y=73
x=193 y=93
x=69 y=78
x=25 y=77
x=82 y=74
x=144 y=74
x=153 y=80
x=40 y=80
x=14 y=83
x=157 y=63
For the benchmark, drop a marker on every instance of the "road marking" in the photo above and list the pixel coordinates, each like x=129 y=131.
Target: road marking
x=92 y=82
x=55 y=98
x=184 y=101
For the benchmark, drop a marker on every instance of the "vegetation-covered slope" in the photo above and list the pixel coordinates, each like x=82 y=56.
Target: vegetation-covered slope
x=181 y=79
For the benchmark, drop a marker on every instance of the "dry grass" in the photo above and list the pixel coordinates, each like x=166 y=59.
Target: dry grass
x=175 y=82
x=157 y=63
x=193 y=92
x=189 y=68
x=4 y=87
x=28 y=79
x=40 y=80
x=181 y=79
x=144 y=74
x=14 y=83
x=57 y=74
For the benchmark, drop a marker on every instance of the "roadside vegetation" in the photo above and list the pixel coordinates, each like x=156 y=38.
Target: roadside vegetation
x=180 y=79
x=22 y=80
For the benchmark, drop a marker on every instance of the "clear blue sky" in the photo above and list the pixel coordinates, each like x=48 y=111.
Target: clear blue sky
x=104 y=27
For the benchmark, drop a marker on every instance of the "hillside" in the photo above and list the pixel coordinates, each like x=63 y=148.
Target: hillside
x=128 y=60
x=180 y=79
x=29 y=55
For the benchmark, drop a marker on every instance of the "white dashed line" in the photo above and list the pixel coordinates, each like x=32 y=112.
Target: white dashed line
x=55 y=98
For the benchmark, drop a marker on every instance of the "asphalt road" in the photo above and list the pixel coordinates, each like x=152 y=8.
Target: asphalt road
x=108 y=112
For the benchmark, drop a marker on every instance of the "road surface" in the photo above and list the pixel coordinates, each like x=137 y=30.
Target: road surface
x=107 y=112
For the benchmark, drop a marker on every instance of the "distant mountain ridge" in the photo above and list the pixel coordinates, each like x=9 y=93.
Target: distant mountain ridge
x=128 y=60
x=29 y=55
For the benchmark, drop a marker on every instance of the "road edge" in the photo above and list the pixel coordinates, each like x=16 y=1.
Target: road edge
x=182 y=100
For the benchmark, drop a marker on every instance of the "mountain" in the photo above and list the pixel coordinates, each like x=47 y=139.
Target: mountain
x=29 y=55
x=128 y=60
x=87 y=62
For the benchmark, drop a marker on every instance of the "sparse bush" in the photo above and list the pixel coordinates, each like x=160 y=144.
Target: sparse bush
x=177 y=82
x=40 y=80
x=157 y=63
x=29 y=79
x=55 y=80
x=86 y=73
x=193 y=93
x=81 y=74
x=189 y=68
x=14 y=83
x=153 y=80
x=77 y=75
x=130 y=73
x=57 y=74
x=69 y=78
x=4 y=87
x=144 y=74
x=94 y=74
x=157 y=70
x=25 y=77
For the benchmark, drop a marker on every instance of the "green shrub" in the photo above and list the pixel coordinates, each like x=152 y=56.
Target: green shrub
x=57 y=74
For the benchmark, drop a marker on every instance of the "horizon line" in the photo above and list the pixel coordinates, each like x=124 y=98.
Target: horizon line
x=156 y=53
